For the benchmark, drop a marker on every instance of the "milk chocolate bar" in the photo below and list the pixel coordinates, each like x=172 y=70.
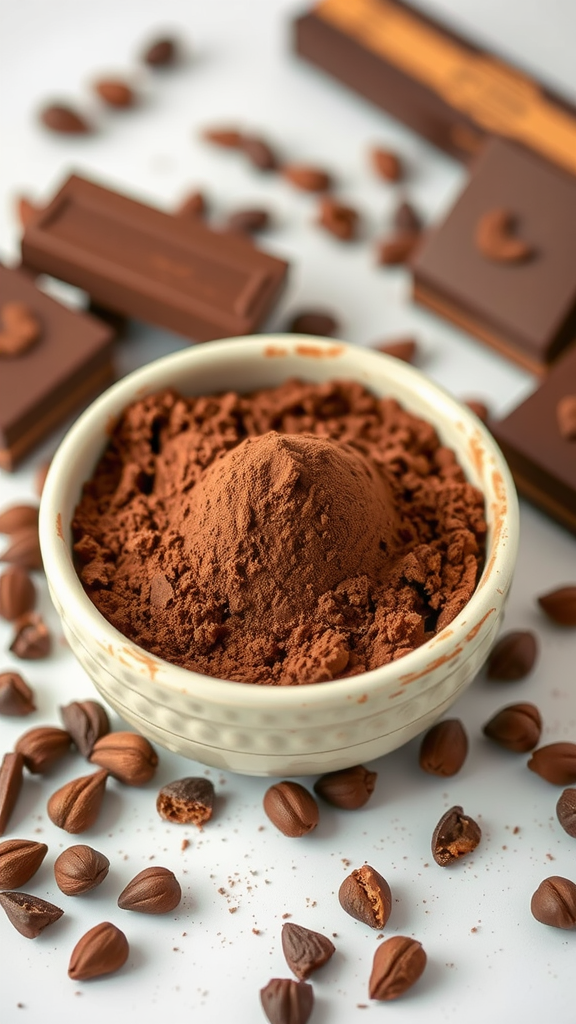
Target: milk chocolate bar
x=143 y=263
x=435 y=81
x=502 y=264
x=52 y=361
x=541 y=453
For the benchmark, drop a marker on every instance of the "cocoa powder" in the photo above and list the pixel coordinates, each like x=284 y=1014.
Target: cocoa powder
x=293 y=535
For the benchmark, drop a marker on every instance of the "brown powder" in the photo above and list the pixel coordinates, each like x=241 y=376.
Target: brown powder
x=289 y=536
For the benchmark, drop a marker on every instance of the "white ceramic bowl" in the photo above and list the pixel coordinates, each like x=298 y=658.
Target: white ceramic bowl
x=263 y=730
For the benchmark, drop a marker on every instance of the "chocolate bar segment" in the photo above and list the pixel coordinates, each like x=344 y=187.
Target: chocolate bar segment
x=66 y=363
x=542 y=458
x=435 y=81
x=502 y=265
x=144 y=263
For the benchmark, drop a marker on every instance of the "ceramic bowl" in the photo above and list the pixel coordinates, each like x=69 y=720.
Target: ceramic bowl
x=280 y=731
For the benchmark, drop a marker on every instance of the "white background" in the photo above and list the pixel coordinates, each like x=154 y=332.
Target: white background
x=488 y=958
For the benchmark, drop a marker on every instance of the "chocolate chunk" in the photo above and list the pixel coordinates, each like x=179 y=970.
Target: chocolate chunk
x=566 y=811
x=29 y=914
x=560 y=605
x=496 y=239
x=366 y=895
x=86 y=722
x=512 y=656
x=387 y=164
x=63 y=119
x=556 y=762
x=32 y=639
x=287 y=1002
x=516 y=727
x=10 y=785
x=554 y=902
x=323 y=325
x=16 y=697
x=455 y=836
x=186 y=801
x=444 y=748
x=19 y=329
x=305 y=951
x=170 y=271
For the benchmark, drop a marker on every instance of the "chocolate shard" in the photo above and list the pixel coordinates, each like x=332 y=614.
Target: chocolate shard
x=305 y=950
x=29 y=914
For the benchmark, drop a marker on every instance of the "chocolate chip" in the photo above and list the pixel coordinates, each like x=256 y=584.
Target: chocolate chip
x=348 y=789
x=387 y=164
x=556 y=763
x=285 y=1001
x=323 y=325
x=516 y=727
x=366 y=896
x=566 y=811
x=444 y=748
x=513 y=656
x=455 y=836
x=566 y=416
x=554 y=902
x=305 y=951
x=307 y=178
x=186 y=801
x=398 y=963
x=560 y=605
x=62 y=119
x=495 y=238
x=291 y=808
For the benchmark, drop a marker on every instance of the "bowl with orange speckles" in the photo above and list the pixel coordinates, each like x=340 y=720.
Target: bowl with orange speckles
x=281 y=730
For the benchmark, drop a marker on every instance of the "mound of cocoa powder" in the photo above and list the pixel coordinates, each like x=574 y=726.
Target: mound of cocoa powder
x=293 y=535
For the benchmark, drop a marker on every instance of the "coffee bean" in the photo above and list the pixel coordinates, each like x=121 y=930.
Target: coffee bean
x=513 y=656
x=32 y=639
x=348 y=789
x=86 y=721
x=402 y=348
x=366 y=895
x=62 y=119
x=560 y=605
x=160 y=53
x=29 y=914
x=80 y=869
x=127 y=756
x=76 y=805
x=323 y=325
x=554 y=902
x=566 y=811
x=386 y=164
x=186 y=801
x=17 y=593
x=19 y=861
x=556 y=763
x=516 y=727
x=291 y=808
x=444 y=748
x=307 y=178
x=115 y=93
x=10 y=786
x=455 y=836
x=496 y=240
x=16 y=697
x=42 y=747
x=154 y=890
x=398 y=963
x=305 y=951
x=285 y=1001
x=102 y=950
x=566 y=418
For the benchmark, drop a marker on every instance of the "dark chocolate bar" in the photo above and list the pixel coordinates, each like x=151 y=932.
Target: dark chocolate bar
x=143 y=263
x=48 y=372
x=435 y=81
x=541 y=455
x=521 y=297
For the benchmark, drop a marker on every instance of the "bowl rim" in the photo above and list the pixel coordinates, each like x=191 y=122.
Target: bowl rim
x=63 y=579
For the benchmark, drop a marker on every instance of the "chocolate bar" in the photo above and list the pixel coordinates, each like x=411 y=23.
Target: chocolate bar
x=52 y=360
x=502 y=264
x=143 y=263
x=435 y=81
x=540 y=450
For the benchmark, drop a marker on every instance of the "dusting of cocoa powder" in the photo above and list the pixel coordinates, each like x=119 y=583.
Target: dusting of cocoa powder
x=294 y=535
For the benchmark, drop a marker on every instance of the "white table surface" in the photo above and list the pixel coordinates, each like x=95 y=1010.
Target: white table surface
x=488 y=958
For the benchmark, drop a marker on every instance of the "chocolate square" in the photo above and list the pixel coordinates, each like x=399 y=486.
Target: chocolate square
x=526 y=308
x=67 y=365
x=543 y=462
